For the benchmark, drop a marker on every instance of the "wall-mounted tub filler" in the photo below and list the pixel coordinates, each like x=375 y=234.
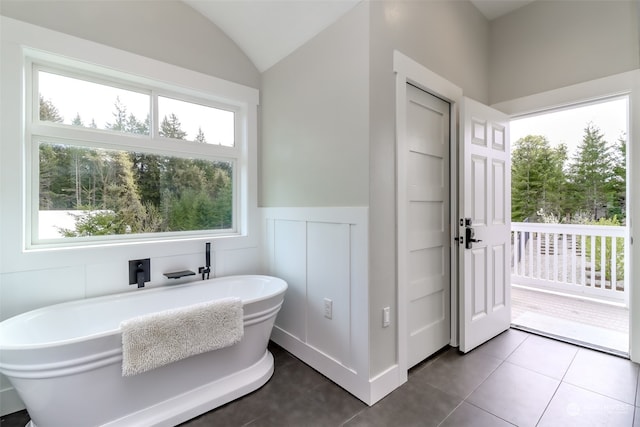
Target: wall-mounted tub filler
x=207 y=257
x=139 y=272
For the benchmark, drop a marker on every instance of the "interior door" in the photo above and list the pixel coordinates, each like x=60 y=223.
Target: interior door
x=425 y=223
x=484 y=236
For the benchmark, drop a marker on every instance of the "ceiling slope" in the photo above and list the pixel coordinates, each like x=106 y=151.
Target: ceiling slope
x=269 y=30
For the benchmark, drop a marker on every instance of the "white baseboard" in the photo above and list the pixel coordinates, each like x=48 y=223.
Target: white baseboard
x=385 y=383
x=356 y=383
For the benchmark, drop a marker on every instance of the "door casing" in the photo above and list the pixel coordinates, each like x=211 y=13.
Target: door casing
x=409 y=71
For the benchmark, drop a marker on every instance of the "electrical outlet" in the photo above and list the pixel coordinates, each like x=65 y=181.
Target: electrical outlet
x=386 y=317
x=328 y=308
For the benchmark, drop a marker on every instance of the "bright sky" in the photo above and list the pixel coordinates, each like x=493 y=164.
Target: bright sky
x=567 y=126
x=96 y=101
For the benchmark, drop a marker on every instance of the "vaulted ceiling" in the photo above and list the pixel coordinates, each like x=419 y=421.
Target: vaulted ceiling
x=269 y=30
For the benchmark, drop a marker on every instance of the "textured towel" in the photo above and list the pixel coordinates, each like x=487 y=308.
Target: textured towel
x=155 y=339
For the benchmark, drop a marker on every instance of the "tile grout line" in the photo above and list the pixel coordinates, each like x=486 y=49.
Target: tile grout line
x=557 y=388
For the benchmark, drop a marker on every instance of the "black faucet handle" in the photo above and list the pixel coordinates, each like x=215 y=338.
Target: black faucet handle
x=208 y=254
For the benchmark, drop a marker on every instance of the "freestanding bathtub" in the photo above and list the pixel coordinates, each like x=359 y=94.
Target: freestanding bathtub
x=65 y=360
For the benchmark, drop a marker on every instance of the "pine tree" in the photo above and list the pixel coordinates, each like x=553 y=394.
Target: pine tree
x=128 y=123
x=618 y=184
x=77 y=121
x=132 y=125
x=171 y=128
x=537 y=177
x=49 y=112
x=591 y=173
x=123 y=197
x=200 y=137
x=120 y=116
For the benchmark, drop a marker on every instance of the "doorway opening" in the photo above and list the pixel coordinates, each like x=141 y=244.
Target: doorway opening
x=570 y=239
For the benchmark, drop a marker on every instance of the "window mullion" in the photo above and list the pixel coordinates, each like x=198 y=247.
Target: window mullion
x=154 y=126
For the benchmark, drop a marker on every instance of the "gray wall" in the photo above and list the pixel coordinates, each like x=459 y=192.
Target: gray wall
x=451 y=38
x=315 y=136
x=169 y=31
x=552 y=44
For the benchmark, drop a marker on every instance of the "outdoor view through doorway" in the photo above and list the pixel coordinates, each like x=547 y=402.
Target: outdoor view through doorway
x=569 y=224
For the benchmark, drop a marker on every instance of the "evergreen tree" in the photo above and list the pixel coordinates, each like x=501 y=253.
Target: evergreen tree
x=618 y=187
x=124 y=122
x=171 y=127
x=77 y=121
x=591 y=173
x=120 y=117
x=47 y=158
x=49 y=112
x=123 y=198
x=148 y=173
x=200 y=137
x=123 y=192
x=134 y=126
x=537 y=177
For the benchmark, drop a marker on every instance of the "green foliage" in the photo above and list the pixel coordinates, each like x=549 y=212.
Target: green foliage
x=122 y=196
x=537 y=178
x=77 y=121
x=200 y=137
x=596 y=259
x=592 y=183
x=131 y=192
x=171 y=128
x=49 y=112
x=93 y=224
x=618 y=188
x=124 y=122
x=591 y=173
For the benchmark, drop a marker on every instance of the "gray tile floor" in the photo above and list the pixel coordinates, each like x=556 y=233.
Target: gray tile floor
x=515 y=379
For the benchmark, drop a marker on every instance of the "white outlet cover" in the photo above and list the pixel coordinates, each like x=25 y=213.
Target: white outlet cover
x=328 y=308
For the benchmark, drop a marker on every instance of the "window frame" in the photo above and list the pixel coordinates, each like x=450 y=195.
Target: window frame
x=21 y=41
x=38 y=131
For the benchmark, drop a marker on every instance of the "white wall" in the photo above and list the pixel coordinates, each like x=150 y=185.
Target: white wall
x=553 y=44
x=322 y=254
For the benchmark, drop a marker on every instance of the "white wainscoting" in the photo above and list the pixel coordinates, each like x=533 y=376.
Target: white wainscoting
x=323 y=253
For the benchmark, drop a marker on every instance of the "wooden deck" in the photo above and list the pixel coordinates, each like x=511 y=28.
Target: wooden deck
x=599 y=325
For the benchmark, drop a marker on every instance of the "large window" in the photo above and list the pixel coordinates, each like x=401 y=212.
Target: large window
x=115 y=159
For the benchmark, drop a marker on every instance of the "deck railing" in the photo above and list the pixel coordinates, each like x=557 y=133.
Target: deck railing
x=583 y=260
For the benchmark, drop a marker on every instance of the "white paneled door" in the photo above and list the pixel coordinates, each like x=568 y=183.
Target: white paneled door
x=424 y=223
x=484 y=225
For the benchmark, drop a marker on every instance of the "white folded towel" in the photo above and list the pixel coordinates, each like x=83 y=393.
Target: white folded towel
x=156 y=339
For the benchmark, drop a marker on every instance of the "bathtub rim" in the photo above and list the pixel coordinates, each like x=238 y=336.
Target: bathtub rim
x=131 y=293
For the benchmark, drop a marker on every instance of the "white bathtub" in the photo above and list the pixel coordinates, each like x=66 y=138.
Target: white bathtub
x=65 y=360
